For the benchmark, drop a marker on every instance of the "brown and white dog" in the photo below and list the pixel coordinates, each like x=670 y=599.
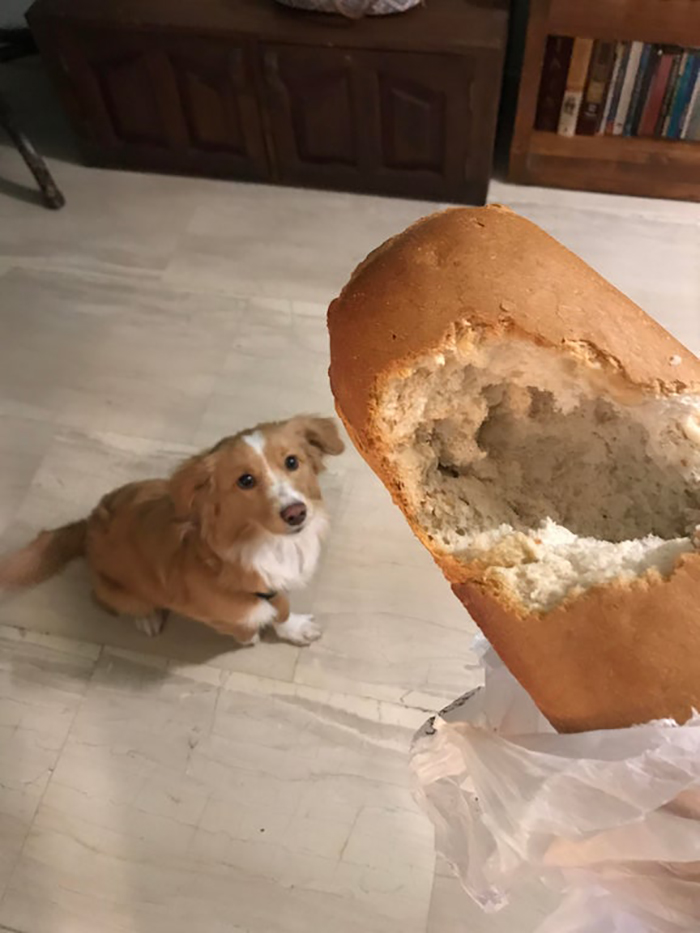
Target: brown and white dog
x=222 y=541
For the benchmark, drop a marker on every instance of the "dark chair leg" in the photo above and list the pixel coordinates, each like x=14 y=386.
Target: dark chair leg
x=51 y=194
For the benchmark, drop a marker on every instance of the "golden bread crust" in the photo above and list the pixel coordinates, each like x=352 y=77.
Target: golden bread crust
x=617 y=654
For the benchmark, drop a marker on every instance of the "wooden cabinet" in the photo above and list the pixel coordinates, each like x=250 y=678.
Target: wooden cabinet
x=403 y=105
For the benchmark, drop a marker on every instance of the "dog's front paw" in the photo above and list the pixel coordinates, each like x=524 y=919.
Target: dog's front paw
x=299 y=630
x=151 y=625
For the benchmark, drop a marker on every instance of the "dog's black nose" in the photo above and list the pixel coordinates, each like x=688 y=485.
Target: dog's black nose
x=294 y=514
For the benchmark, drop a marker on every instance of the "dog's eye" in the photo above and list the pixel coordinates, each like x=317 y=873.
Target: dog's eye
x=246 y=481
x=291 y=463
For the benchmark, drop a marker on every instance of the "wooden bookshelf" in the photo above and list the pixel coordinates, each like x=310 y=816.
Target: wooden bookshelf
x=659 y=168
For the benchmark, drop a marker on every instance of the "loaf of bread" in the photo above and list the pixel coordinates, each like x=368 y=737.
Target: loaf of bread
x=541 y=434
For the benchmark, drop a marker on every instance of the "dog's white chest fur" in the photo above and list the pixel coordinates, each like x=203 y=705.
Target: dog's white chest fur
x=287 y=562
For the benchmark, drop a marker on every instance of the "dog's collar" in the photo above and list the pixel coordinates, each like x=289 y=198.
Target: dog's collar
x=269 y=595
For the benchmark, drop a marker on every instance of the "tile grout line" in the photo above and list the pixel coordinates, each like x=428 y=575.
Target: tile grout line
x=283 y=691
x=158 y=283
x=222 y=678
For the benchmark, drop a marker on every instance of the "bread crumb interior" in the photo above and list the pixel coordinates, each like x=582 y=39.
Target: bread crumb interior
x=515 y=454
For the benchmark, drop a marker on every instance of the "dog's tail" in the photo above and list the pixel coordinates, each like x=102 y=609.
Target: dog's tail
x=44 y=557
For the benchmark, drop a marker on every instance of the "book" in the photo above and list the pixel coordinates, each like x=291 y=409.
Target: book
x=655 y=95
x=681 y=97
x=693 y=105
x=622 y=52
x=555 y=68
x=599 y=71
x=648 y=78
x=676 y=56
x=676 y=87
x=691 y=130
x=636 y=99
x=575 y=84
x=692 y=94
x=627 y=87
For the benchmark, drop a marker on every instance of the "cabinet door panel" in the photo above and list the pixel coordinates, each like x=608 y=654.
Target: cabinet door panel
x=210 y=107
x=412 y=124
x=121 y=82
x=131 y=98
x=152 y=101
x=315 y=114
x=420 y=116
x=217 y=100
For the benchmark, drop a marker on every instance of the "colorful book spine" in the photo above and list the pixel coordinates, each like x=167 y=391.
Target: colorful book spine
x=691 y=129
x=634 y=89
x=553 y=82
x=622 y=52
x=627 y=88
x=575 y=85
x=674 y=97
x=681 y=97
x=676 y=56
x=655 y=95
x=691 y=93
x=602 y=61
x=636 y=100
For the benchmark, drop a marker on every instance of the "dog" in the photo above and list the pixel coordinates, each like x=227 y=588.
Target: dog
x=221 y=541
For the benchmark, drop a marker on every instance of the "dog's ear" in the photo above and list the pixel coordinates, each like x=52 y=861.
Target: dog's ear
x=322 y=437
x=190 y=482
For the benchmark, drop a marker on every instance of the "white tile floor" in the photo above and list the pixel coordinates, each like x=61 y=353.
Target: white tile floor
x=180 y=784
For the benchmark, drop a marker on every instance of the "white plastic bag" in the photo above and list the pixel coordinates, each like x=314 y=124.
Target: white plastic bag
x=611 y=819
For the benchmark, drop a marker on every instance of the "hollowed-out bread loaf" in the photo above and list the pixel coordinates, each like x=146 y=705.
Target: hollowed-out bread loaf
x=541 y=434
